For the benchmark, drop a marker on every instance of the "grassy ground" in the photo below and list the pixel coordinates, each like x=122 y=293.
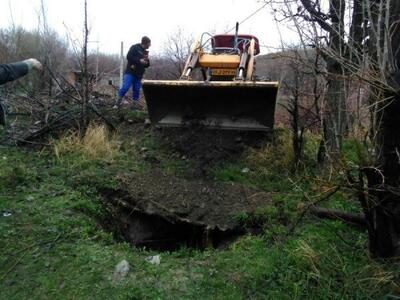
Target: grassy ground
x=52 y=245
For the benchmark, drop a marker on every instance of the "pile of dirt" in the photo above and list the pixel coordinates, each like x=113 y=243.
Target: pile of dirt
x=210 y=146
x=212 y=204
x=159 y=210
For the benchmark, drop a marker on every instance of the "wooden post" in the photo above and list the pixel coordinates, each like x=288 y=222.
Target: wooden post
x=250 y=66
x=97 y=63
x=121 y=66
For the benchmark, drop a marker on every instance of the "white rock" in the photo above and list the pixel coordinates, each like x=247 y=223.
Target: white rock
x=245 y=170
x=121 y=270
x=7 y=214
x=154 y=260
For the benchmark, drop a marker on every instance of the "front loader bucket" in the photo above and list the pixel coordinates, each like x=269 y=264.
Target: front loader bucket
x=222 y=105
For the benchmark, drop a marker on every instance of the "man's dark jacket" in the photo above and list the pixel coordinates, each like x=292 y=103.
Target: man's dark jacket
x=135 y=54
x=10 y=72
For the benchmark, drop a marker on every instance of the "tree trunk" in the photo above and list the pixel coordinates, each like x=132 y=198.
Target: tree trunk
x=296 y=139
x=335 y=113
x=335 y=116
x=384 y=204
x=384 y=217
x=85 y=75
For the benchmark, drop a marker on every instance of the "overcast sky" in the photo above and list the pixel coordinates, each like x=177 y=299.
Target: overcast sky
x=113 y=21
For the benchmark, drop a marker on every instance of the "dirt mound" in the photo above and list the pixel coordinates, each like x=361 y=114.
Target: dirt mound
x=210 y=146
x=213 y=204
x=162 y=211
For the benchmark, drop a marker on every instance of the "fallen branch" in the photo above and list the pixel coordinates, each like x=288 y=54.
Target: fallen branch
x=307 y=208
x=61 y=122
x=335 y=214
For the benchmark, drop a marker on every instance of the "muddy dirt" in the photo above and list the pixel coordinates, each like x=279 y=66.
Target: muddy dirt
x=210 y=146
x=163 y=211
x=204 y=147
x=210 y=203
x=207 y=147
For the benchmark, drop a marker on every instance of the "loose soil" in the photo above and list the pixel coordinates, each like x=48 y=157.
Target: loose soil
x=201 y=202
x=210 y=146
x=164 y=212
x=161 y=210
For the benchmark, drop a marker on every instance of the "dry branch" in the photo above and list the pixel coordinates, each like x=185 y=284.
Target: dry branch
x=335 y=214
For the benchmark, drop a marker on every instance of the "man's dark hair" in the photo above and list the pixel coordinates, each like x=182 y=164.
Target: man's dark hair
x=145 y=40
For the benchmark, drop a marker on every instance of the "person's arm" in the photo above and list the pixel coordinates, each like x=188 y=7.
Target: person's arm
x=13 y=71
x=10 y=72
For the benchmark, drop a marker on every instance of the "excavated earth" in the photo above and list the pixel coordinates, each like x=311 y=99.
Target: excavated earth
x=160 y=210
x=163 y=211
x=214 y=204
x=210 y=146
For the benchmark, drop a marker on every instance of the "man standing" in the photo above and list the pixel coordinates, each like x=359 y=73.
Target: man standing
x=138 y=61
x=13 y=71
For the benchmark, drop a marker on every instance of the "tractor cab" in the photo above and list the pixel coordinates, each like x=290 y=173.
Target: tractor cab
x=230 y=43
x=230 y=57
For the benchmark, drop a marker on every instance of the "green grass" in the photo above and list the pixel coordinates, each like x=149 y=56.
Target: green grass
x=53 y=246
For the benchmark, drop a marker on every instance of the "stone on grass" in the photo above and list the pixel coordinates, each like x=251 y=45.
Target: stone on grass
x=121 y=270
x=154 y=260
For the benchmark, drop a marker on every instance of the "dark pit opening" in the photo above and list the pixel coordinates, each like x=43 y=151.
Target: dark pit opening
x=161 y=233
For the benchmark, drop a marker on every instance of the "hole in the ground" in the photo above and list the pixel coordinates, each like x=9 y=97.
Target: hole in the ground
x=155 y=232
x=159 y=232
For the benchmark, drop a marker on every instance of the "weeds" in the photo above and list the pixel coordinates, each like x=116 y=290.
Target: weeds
x=275 y=155
x=95 y=144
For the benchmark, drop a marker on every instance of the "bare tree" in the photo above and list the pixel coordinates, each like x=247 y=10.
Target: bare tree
x=301 y=94
x=85 y=77
x=176 y=50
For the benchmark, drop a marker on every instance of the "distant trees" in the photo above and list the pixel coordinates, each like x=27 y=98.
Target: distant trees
x=176 y=50
x=105 y=64
x=170 y=63
x=161 y=69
